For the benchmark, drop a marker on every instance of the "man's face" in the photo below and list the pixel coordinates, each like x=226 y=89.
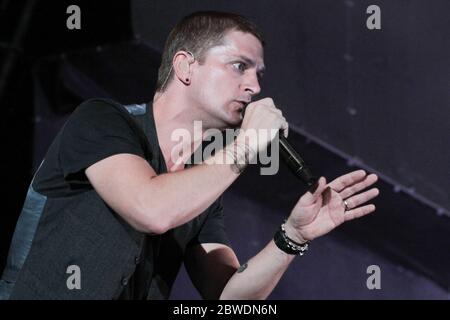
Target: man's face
x=228 y=79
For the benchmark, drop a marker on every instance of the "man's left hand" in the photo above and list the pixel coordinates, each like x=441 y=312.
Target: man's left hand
x=321 y=210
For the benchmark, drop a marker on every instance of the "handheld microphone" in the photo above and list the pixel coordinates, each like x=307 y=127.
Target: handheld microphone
x=295 y=162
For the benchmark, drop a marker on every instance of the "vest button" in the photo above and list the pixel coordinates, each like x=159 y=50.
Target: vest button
x=137 y=260
x=124 y=281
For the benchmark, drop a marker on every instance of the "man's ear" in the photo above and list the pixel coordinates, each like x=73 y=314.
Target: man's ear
x=182 y=66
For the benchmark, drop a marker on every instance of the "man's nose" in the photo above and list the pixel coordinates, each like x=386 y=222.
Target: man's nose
x=251 y=85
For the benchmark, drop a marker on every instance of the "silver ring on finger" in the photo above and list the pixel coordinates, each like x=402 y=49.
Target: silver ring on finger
x=346 y=205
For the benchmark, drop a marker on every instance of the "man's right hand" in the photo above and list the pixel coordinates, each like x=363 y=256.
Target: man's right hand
x=261 y=123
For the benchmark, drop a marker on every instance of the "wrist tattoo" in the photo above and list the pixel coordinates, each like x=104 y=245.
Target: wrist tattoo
x=242 y=268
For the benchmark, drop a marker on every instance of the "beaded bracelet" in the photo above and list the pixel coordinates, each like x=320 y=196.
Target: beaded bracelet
x=286 y=244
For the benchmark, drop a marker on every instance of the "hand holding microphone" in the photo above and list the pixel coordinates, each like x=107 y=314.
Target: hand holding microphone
x=263 y=114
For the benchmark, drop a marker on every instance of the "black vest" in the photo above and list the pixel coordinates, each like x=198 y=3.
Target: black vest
x=86 y=233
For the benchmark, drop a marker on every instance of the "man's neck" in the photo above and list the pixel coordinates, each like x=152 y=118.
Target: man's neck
x=174 y=121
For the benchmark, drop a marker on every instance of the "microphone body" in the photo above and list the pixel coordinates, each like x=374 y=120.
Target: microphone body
x=295 y=162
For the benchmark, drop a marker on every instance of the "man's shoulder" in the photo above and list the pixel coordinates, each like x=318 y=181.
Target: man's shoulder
x=99 y=105
x=99 y=113
x=106 y=108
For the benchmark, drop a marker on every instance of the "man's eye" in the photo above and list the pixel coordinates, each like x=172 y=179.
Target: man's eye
x=240 y=66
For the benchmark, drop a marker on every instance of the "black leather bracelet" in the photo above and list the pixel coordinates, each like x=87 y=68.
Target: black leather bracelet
x=287 y=245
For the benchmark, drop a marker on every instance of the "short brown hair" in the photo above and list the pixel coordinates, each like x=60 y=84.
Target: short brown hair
x=197 y=33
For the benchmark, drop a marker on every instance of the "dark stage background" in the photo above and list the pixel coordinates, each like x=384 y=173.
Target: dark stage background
x=355 y=98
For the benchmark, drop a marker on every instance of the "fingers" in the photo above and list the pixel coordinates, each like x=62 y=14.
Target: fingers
x=285 y=128
x=284 y=125
x=310 y=197
x=353 y=189
x=276 y=110
x=346 y=180
x=359 y=212
x=361 y=198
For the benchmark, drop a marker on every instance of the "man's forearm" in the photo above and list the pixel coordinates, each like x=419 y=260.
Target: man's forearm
x=178 y=197
x=258 y=277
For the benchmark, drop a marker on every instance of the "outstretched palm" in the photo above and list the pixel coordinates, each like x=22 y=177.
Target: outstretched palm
x=322 y=210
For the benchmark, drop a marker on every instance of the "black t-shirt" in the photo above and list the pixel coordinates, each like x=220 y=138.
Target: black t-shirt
x=101 y=128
